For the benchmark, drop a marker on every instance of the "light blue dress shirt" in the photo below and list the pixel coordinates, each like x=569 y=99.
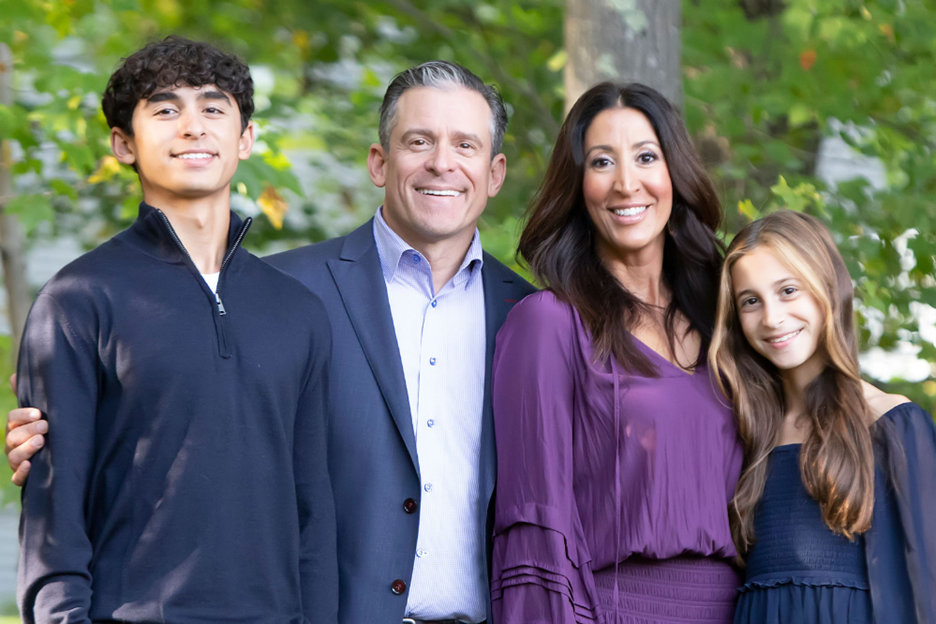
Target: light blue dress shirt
x=441 y=336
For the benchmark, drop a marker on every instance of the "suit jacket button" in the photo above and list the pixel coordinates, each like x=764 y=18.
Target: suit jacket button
x=410 y=506
x=398 y=587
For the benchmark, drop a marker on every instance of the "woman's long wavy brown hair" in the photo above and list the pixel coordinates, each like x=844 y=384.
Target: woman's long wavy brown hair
x=558 y=241
x=836 y=459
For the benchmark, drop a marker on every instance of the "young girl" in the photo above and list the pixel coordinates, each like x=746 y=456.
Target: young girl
x=835 y=511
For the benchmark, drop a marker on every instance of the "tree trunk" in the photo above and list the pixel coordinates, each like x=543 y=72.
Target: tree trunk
x=11 y=232
x=623 y=41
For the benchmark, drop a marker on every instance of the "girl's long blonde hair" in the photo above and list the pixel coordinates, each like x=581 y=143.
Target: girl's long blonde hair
x=836 y=459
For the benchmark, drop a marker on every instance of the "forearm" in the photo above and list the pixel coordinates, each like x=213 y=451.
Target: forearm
x=58 y=375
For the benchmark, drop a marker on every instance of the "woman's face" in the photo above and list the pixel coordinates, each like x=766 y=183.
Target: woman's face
x=626 y=186
x=780 y=318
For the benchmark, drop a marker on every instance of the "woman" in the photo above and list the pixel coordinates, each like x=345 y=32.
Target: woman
x=830 y=535
x=616 y=458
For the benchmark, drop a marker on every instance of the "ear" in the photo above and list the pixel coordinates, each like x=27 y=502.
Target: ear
x=246 y=142
x=498 y=173
x=123 y=146
x=377 y=165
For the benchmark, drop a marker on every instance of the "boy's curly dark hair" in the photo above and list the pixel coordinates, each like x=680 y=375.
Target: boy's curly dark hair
x=175 y=61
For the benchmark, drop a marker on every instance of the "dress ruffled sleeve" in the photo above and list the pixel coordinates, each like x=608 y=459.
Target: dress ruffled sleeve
x=901 y=544
x=540 y=571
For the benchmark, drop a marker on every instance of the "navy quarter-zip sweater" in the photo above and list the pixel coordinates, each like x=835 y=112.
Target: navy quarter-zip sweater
x=185 y=477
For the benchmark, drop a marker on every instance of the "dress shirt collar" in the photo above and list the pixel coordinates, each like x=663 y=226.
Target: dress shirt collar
x=392 y=249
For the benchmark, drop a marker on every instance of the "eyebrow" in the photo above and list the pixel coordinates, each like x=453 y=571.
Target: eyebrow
x=458 y=136
x=608 y=148
x=172 y=96
x=417 y=131
x=749 y=291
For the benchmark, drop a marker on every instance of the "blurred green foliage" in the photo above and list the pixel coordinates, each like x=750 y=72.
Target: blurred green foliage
x=762 y=91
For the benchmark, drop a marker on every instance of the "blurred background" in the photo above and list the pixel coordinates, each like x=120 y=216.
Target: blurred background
x=825 y=106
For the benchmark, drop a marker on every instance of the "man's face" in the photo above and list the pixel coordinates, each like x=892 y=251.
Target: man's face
x=186 y=143
x=437 y=172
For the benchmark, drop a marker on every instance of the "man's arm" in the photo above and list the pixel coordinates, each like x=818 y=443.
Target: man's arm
x=318 y=558
x=58 y=374
x=24 y=436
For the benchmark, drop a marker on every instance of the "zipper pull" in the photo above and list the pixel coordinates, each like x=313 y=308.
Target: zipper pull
x=221 y=311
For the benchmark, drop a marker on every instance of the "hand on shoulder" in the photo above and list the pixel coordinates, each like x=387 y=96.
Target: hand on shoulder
x=881 y=402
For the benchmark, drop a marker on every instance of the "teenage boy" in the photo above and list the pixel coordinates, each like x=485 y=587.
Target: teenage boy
x=185 y=384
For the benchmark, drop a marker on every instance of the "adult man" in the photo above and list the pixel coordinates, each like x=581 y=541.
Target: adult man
x=414 y=306
x=178 y=373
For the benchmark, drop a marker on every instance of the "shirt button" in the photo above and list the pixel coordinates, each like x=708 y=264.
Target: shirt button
x=432 y=361
x=420 y=553
x=428 y=487
x=430 y=423
x=415 y=258
x=435 y=302
x=410 y=506
x=398 y=587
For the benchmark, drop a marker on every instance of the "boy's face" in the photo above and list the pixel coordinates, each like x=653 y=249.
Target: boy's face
x=186 y=143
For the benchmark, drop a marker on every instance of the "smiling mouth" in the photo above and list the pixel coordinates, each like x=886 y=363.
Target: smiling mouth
x=438 y=193
x=195 y=156
x=785 y=337
x=629 y=212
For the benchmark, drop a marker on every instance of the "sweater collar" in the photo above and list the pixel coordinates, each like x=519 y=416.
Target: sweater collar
x=152 y=234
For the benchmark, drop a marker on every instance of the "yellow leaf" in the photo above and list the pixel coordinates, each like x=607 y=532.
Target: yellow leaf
x=280 y=161
x=273 y=206
x=74 y=102
x=108 y=168
x=748 y=210
x=301 y=39
x=888 y=32
x=865 y=13
x=19 y=36
x=557 y=61
x=242 y=188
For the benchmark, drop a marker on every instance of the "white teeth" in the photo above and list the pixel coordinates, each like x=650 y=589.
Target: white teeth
x=630 y=212
x=194 y=156
x=784 y=337
x=440 y=193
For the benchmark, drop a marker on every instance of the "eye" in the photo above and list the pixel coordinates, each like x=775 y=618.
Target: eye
x=647 y=157
x=164 y=111
x=601 y=162
x=789 y=290
x=212 y=110
x=748 y=301
x=418 y=142
x=465 y=146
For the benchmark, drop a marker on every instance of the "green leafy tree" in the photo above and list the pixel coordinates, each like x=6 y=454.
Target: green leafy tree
x=767 y=81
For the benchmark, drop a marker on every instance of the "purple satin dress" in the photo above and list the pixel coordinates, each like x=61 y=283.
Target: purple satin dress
x=612 y=488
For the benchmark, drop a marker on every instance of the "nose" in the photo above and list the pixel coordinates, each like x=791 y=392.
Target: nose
x=627 y=181
x=440 y=160
x=774 y=314
x=191 y=125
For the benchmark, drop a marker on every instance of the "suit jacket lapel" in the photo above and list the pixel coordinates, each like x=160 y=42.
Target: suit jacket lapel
x=360 y=282
x=497 y=303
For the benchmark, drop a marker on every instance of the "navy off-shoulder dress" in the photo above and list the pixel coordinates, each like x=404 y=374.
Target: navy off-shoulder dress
x=800 y=572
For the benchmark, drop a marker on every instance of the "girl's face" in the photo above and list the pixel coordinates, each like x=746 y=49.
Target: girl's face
x=780 y=318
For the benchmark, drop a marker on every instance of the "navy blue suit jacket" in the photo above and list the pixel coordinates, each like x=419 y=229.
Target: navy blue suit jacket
x=371 y=443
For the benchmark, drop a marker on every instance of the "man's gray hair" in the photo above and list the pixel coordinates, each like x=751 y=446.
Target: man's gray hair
x=442 y=75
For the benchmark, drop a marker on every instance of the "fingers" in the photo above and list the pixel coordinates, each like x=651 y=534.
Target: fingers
x=20 y=417
x=22 y=432
x=23 y=442
x=19 y=477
